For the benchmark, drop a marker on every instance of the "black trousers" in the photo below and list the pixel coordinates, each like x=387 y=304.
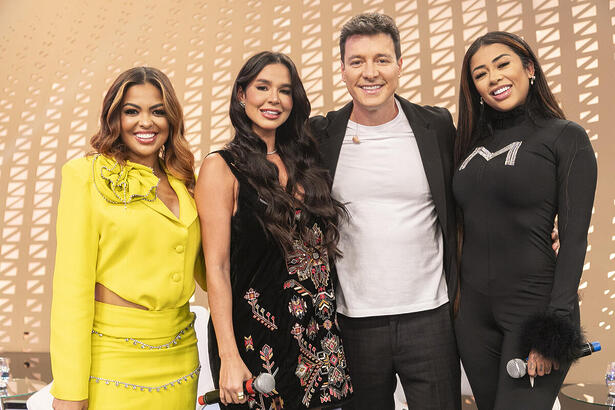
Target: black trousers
x=487 y=338
x=419 y=347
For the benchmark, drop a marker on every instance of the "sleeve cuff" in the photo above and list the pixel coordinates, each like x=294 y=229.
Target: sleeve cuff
x=553 y=335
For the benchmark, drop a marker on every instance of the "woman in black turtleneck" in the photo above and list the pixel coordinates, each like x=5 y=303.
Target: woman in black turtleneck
x=520 y=164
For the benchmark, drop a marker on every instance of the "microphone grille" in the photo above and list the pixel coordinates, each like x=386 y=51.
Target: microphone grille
x=515 y=368
x=264 y=383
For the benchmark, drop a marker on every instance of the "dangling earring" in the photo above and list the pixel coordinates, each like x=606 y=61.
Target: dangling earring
x=243 y=104
x=532 y=78
x=481 y=101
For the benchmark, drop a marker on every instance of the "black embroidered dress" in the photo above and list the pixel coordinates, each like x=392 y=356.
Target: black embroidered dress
x=283 y=312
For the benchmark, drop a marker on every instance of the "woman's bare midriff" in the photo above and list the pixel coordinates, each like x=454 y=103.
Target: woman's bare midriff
x=104 y=295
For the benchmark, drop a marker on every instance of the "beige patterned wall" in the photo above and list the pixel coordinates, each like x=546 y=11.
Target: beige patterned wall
x=58 y=57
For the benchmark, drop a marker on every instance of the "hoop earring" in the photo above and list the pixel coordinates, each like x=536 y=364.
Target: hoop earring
x=532 y=78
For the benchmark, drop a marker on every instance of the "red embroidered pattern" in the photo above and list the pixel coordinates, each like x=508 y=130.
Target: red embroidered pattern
x=248 y=343
x=259 y=313
x=321 y=369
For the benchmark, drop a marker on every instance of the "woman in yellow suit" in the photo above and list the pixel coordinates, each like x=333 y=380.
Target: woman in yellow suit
x=128 y=252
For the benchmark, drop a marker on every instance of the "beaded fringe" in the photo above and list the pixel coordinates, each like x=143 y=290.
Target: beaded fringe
x=147 y=346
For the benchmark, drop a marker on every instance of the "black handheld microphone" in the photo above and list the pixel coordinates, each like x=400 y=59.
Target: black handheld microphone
x=517 y=368
x=263 y=383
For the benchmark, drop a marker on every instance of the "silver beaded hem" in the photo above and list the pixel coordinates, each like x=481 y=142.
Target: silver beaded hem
x=143 y=345
x=150 y=389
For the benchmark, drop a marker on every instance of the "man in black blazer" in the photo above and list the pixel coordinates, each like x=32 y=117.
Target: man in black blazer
x=391 y=162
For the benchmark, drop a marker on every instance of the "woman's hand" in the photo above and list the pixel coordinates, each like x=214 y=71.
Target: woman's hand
x=538 y=365
x=233 y=372
x=555 y=240
x=69 y=404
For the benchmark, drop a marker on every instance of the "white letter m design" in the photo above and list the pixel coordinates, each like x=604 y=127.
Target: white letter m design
x=511 y=148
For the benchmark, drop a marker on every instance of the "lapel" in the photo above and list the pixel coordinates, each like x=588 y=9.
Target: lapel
x=336 y=129
x=429 y=149
x=187 y=210
x=187 y=207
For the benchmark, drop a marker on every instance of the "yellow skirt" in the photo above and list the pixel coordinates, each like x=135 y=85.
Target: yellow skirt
x=143 y=359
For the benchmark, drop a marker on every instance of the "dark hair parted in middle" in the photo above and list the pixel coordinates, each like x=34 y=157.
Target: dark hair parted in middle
x=472 y=125
x=370 y=24
x=297 y=149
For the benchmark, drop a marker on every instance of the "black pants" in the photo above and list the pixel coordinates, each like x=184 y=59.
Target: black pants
x=419 y=347
x=487 y=338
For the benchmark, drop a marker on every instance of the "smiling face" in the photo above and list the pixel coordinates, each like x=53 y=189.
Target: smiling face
x=268 y=99
x=500 y=77
x=371 y=73
x=143 y=122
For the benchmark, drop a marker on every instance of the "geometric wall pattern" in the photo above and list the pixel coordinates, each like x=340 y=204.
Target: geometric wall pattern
x=58 y=58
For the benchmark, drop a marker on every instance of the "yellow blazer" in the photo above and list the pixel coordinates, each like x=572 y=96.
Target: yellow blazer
x=112 y=229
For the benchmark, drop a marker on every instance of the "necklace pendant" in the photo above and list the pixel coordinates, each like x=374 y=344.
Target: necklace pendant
x=356 y=140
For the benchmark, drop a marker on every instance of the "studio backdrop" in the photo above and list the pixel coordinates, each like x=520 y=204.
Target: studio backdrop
x=57 y=58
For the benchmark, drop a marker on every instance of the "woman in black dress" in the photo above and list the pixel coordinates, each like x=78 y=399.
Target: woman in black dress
x=269 y=235
x=520 y=164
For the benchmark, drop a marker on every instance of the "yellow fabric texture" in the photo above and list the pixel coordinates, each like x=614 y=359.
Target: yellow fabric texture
x=112 y=229
x=137 y=373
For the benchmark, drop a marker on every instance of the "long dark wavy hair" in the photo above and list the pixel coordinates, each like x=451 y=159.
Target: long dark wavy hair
x=297 y=149
x=473 y=125
x=175 y=154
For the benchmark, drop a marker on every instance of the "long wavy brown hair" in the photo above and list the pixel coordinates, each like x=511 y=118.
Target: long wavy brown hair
x=297 y=148
x=472 y=125
x=175 y=153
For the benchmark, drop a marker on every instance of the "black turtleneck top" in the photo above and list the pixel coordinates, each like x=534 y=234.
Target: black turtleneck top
x=510 y=188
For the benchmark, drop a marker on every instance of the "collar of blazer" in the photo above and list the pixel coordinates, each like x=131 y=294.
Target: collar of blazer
x=425 y=123
x=132 y=182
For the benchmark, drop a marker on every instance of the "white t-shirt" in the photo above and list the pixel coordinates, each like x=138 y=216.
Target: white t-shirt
x=392 y=244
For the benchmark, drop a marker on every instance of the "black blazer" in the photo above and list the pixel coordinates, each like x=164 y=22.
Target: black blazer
x=435 y=132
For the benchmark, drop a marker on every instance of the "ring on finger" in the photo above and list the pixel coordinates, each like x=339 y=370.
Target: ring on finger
x=240 y=395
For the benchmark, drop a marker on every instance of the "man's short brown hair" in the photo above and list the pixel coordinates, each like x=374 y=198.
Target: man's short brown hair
x=370 y=24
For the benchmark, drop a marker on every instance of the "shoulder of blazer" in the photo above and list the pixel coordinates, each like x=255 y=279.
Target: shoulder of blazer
x=427 y=114
x=325 y=126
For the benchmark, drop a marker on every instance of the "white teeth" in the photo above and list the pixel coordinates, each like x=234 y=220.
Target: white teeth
x=145 y=137
x=271 y=112
x=501 y=90
x=371 y=87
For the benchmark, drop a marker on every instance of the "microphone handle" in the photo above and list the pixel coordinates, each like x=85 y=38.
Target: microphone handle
x=210 y=397
x=588 y=348
x=213 y=396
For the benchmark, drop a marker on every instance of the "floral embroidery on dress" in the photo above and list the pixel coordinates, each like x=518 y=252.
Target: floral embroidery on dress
x=297 y=307
x=312 y=330
x=267 y=356
x=321 y=371
x=257 y=402
x=308 y=261
x=248 y=343
x=259 y=313
x=123 y=184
